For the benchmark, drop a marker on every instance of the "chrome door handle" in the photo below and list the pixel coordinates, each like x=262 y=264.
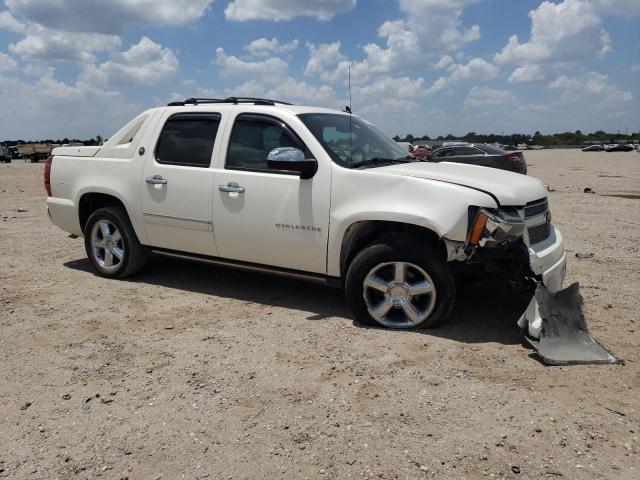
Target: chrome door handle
x=156 y=180
x=231 y=187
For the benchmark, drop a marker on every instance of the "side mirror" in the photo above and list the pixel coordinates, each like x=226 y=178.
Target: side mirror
x=291 y=159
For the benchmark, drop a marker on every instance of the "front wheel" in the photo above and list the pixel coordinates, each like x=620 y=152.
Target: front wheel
x=112 y=245
x=401 y=284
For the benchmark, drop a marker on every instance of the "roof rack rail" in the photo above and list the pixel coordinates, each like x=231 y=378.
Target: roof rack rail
x=233 y=100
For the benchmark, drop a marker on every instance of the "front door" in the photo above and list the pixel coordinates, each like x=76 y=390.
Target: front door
x=178 y=181
x=264 y=216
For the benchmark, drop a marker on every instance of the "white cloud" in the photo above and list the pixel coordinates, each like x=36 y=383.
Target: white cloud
x=7 y=62
x=193 y=91
x=445 y=62
x=530 y=109
x=565 y=83
x=276 y=10
x=489 y=97
x=108 y=16
x=388 y=106
x=263 y=47
x=590 y=88
x=38 y=69
x=47 y=107
x=323 y=56
x=635 y=67
x=45 y=44
x=267 y=70
x=146 y=63
x=569 y=31
x=290 y=90
x=10 y=23
x=430 y=27
x=475 y=69
x=390 y=87
x=566 y=31
x=528 y=73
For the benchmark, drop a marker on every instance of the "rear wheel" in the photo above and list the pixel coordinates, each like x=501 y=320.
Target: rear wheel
x=112 y=245
x=401 y=283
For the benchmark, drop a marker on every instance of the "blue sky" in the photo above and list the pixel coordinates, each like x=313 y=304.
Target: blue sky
x=78 y=68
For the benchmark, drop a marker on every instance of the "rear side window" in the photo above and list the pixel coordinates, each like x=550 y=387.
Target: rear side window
x=253 y=137
x=187 y=139
x=467 y=151
x=491 y=150
x=445 y=152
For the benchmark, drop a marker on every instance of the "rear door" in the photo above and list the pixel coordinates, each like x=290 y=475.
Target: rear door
x=177 y=183
x=265 y=216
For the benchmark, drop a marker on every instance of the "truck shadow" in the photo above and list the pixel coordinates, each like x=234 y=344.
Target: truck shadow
x=482 y=314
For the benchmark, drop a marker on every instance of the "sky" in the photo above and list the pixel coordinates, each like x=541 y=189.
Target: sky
x=81 y=68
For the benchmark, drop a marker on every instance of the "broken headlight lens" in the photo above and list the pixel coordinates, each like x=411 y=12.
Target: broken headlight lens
x=496 y=226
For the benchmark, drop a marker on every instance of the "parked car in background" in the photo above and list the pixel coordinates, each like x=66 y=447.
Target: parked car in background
x=619 y=147
x=421 y=152
x=481 y=155
x=5 y=154
x=593 y=148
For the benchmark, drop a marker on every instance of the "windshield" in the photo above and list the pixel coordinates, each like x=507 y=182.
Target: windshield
x=352 y=142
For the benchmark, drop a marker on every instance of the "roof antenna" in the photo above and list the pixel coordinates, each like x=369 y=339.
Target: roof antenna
x=348 y=107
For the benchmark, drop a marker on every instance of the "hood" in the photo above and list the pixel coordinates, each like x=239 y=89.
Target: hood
x=511 y=189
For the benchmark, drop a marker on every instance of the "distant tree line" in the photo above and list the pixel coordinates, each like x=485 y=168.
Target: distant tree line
x=566 y=138
x=98 y=140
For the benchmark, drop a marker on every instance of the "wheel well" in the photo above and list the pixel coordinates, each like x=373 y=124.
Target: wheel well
x=90 y=202
x=361 y=234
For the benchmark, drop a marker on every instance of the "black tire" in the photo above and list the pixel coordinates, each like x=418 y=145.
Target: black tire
x=134 y=256
x=401 y=249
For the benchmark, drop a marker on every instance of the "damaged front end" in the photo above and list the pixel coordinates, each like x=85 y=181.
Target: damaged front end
x=523 y=246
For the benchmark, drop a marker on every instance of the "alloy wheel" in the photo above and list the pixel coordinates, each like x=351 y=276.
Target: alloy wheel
x=399 y=294
x=107 y=246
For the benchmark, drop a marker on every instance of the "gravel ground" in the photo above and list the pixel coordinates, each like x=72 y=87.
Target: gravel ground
x=192 y=371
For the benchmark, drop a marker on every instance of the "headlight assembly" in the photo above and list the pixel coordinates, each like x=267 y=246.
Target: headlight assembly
x=495 y=226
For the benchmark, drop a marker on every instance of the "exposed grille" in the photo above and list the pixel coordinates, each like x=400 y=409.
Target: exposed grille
x=536 y=208
x=539 y=233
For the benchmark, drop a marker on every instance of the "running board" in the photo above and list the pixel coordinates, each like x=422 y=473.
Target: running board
x=333 y=282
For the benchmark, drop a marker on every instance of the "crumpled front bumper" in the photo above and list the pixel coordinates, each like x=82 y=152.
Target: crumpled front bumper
x=548 y=260
x=553 y=323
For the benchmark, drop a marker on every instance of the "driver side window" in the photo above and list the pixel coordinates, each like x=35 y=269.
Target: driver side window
x=253 y=137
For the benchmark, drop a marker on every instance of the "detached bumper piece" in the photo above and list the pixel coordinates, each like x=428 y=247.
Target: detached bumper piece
x=564 y=338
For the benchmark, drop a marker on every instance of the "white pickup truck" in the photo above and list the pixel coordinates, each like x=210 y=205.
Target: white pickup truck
x=302 y=191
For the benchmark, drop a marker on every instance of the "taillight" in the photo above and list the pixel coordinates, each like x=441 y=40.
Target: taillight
x=513 y=157
x=47 y=174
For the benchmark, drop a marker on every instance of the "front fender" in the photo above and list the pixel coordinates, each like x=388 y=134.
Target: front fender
x=367 y=195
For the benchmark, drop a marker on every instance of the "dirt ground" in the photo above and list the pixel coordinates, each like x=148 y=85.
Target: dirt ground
x=193 y=371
